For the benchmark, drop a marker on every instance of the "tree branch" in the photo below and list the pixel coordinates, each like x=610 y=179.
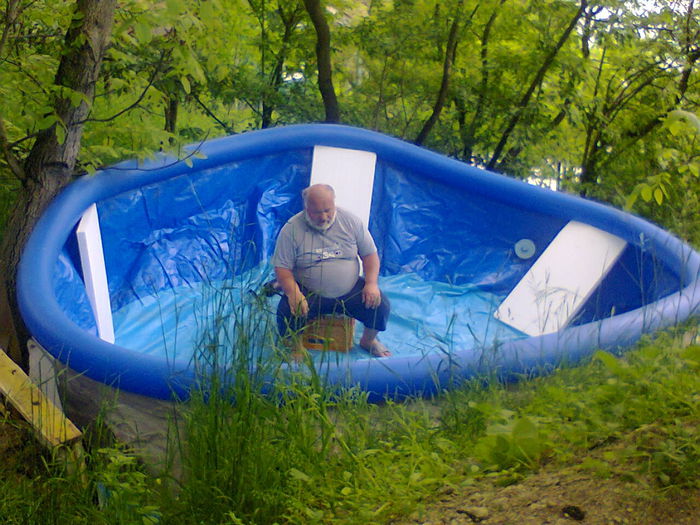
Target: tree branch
x=228 y=129
x=524 y=101
x=467 y=133
x=450 y=54
x=151 y=82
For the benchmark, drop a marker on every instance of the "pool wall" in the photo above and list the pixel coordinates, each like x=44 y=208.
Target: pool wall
x=167 y=222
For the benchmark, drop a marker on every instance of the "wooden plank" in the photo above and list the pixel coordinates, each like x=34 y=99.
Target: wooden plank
x=51 y=425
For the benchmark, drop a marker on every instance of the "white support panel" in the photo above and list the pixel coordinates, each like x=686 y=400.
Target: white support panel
x=556 y=287
x=94 y=272
x=350 y=172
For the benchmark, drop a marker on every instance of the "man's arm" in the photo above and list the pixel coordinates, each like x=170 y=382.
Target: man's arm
x=297 y=301
x=370 y=293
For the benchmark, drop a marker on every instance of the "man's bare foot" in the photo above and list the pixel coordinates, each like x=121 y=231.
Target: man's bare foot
x=376 y=349
x=296 y=349
x=298 y=355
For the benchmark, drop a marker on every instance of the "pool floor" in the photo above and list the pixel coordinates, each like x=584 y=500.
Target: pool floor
x=212 y=318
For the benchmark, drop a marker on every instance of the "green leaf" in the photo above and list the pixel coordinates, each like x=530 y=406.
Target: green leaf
x=611 y=362
x=75 y=97
x=143 y=32
x=207 y=13
x=299 y=475
x=658 y=196
x=185 y=84
x=525 y=428
x=631 y=199
x=47 y=121
x=526 y=439
x=691 y=355
x=194 y=68
x=678 y=116
x=60 y=134
x=694 y=168
x=174 y=7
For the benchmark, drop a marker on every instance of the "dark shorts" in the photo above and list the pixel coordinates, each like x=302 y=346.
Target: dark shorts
x=349 y=304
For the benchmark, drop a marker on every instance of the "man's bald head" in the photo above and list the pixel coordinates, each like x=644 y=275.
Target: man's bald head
x=319 y=205
x=316 y=191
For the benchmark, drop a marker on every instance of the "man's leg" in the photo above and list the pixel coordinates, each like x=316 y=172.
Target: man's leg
x=373 y=319
x=289 y=327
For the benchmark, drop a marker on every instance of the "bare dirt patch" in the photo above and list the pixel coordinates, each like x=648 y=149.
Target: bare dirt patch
x=560 y=497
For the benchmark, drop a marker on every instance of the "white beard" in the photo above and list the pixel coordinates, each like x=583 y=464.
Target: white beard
x=322 y=228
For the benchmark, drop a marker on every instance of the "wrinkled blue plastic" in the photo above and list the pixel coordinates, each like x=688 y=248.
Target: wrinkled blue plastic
x=168 y=226
x=459 y=316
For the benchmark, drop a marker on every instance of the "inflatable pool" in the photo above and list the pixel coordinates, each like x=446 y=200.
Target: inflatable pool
x=143 y=276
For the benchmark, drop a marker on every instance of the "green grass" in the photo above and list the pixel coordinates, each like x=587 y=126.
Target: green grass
x=651 y=394
x=301 y=454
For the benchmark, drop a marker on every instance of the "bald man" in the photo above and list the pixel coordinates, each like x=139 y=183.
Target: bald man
x=317 y=268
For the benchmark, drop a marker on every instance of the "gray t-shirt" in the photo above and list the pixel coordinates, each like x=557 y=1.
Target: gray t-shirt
x=324 y=262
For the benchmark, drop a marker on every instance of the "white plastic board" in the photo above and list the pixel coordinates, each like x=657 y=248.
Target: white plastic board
x=94 y=272
x=350 y=172
x=561 y=280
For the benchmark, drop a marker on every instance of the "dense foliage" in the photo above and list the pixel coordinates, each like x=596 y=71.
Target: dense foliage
x=304 y=455
x=594 y=97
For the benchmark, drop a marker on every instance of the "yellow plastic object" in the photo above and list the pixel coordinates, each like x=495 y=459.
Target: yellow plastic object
x=329 y=333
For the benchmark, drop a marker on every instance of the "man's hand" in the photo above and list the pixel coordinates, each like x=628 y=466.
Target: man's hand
x=371 y=296
x=370 y=293
x=298 y=304
x=297 y=300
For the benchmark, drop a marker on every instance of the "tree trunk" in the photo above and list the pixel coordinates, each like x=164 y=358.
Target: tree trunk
x=468 y=133
x=51 y=161
x=323 y=56
x=171 y=114
x=450 y=54
x=290 y=22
